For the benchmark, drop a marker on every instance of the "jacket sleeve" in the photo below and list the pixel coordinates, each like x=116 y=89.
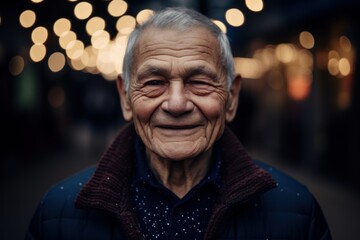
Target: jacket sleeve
x=318 y=227
x=34 y=229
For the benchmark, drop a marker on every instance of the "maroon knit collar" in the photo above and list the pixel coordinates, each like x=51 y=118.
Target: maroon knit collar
x=109 y=187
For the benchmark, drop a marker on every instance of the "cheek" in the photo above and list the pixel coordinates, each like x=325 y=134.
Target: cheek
x=213 y=107
x=143 y=108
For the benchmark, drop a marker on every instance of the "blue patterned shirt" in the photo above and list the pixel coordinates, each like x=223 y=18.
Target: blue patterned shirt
x=161 y=213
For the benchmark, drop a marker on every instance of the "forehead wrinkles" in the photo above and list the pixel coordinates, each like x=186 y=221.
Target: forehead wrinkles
x=197 y=42
x=181 y=50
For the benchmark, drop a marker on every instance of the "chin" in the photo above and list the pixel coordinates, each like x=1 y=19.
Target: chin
x=180 y=152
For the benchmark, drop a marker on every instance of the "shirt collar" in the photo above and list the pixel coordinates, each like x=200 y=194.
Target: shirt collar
x=143 y=174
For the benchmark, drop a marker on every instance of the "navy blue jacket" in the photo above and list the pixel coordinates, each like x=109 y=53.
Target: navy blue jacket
x=257 y=201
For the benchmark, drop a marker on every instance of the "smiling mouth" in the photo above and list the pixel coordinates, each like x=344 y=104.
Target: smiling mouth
x=178 y=127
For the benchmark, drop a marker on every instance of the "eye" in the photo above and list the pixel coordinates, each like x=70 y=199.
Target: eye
x=198 y=82
x=200 y=87
x=154 y=83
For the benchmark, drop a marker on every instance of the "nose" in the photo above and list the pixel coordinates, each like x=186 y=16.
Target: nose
x=177 y=102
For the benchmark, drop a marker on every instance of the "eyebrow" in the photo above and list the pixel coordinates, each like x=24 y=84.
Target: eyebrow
x=152 y=70
x=201 y=70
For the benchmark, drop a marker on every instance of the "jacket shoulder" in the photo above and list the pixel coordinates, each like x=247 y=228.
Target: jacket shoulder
x=56 y=216
x=288 y=211
x=291 y=209
x=284 y=182
x=60 y=198
x=290 y=195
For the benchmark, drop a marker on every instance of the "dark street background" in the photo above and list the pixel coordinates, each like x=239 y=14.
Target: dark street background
x=299 y=106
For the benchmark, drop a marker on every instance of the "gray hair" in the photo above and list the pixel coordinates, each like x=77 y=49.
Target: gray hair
x=181 y=19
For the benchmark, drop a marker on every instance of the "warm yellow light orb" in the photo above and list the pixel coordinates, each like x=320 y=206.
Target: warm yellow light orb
x=116 y=8
x=56 y=62
x=39 y=35
x=27 y=18
x=83 y=10
x=234 y=17
x=61 y=25
x=306 y=40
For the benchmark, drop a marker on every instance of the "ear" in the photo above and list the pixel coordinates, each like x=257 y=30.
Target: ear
x=233 y=99
x=124 y=99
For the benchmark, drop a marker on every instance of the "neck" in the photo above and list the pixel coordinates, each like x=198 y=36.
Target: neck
x=180 y=176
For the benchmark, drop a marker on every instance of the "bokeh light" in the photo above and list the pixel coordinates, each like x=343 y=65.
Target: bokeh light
x=95 y=24
x=77 y=64
x=16 y=65
x=27 y=18
x=100 y=39
x=234 y=17
x=61 y=25
x=248 y=67
x=299 y=87
x=344 y=66
x=83 y=10
x=221 y=25
x=75 y=49
x=306 y=40
x=39 y=35
x=345 y=44
x=66 y=38
x=126 y=24
x=56 y=62
x=144 y=15
x=37 y=52
x=254 y=5
x=116 y=8
x=285 y=53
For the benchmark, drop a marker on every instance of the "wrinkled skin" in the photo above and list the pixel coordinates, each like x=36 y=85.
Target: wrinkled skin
x=178 y=99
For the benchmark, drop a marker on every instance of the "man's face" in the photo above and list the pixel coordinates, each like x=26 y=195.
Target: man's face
x=178 y=94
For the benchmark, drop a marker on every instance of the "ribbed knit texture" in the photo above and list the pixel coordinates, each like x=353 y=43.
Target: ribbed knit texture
x=109 y=188
x=242 y=180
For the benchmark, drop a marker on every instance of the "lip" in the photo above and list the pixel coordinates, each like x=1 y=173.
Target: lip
x=178 y=126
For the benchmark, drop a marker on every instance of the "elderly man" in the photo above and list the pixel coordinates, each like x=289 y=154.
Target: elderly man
x=176 y=171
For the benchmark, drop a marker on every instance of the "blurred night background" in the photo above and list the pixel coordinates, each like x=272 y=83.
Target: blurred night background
x=299 y=107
